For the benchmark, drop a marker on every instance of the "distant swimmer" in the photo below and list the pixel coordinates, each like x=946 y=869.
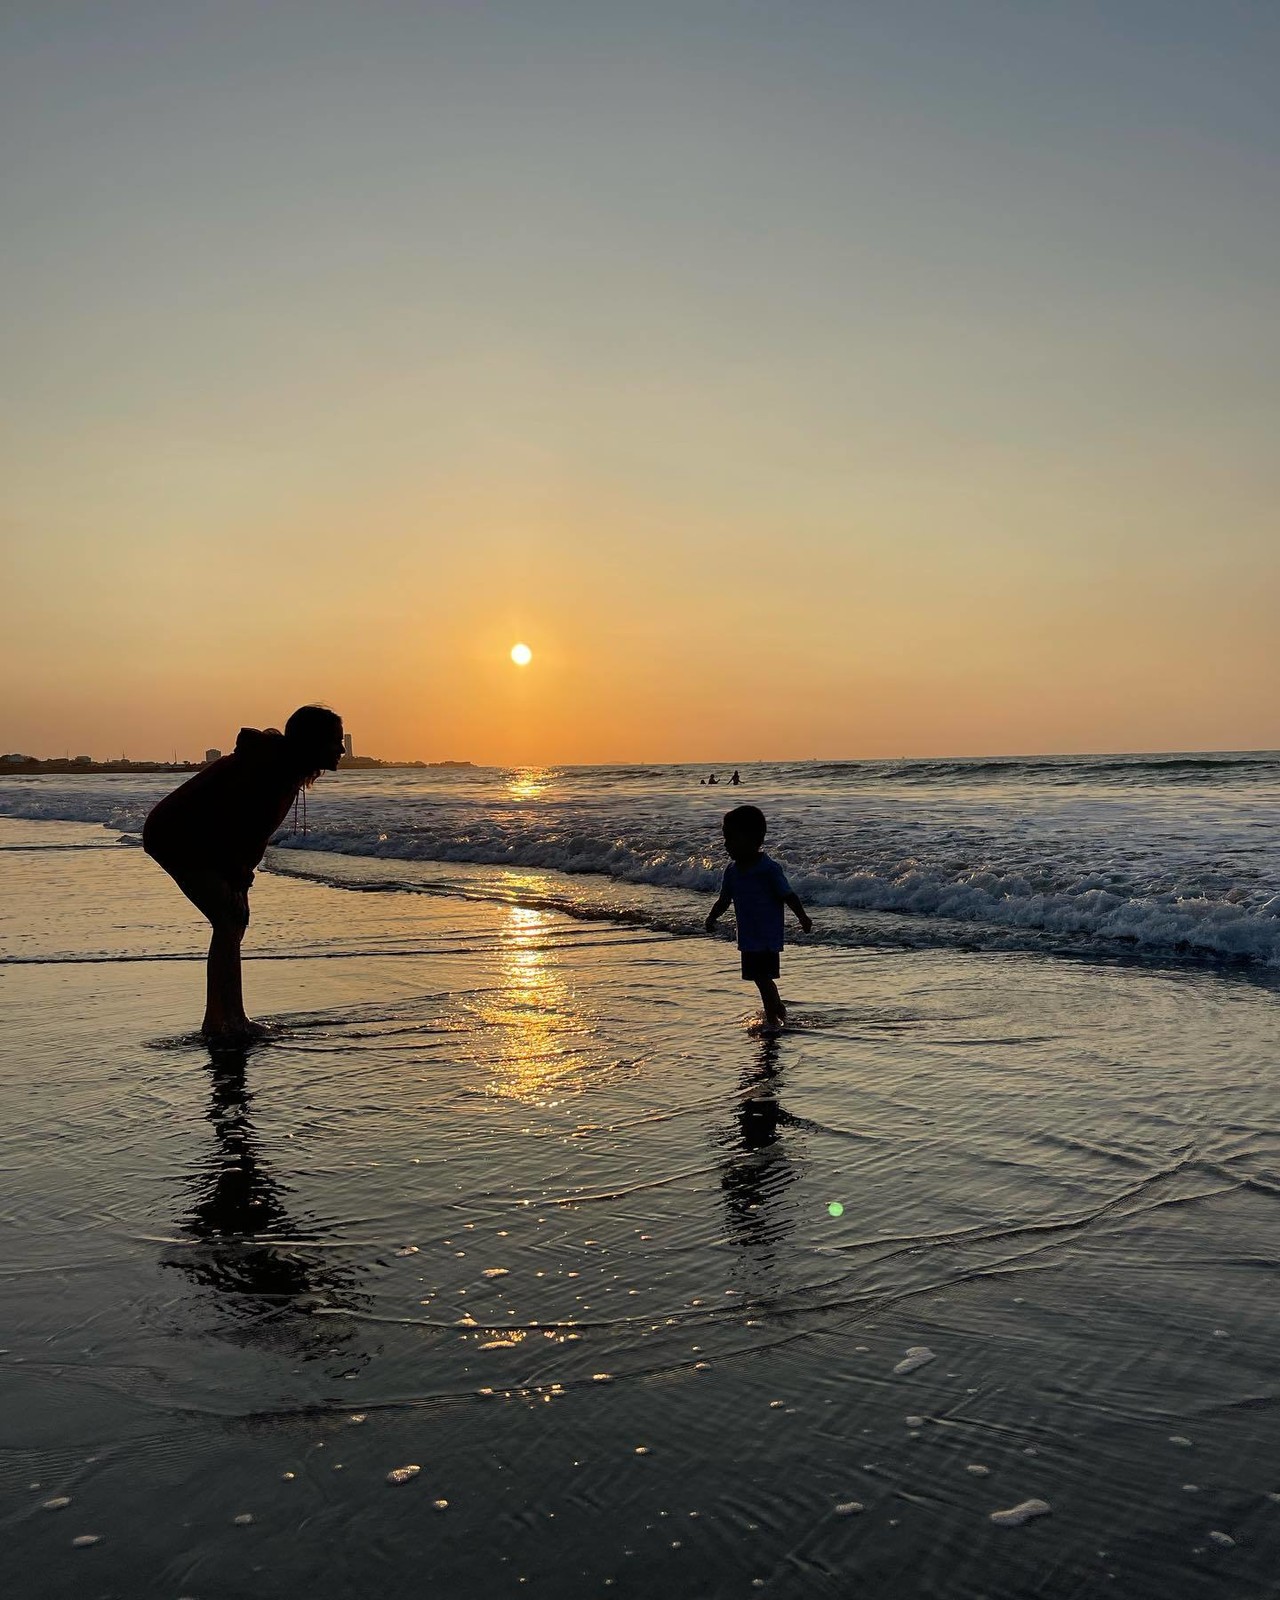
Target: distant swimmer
x=735 y=780
x=713 y=779
x=757 y=888
x=211 y=833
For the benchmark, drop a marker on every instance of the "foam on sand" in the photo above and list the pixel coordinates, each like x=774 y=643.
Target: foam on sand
x=1023 y=1512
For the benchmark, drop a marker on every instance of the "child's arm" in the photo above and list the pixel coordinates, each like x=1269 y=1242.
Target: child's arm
x=718 y=910
x=793 y=900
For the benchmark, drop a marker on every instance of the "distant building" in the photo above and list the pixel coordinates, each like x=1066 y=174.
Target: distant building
x=83 y=761
x=212 y=755
x=14 y=759
x=347 y=748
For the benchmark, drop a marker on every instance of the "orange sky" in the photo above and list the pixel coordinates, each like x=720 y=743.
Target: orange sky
x=869 y=390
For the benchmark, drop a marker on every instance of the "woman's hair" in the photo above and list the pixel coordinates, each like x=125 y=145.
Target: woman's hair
x=312 y=731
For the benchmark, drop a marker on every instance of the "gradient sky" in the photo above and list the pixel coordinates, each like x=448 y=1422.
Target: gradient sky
x=845 y=379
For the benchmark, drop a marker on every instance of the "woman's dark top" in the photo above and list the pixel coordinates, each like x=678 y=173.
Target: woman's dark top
x=224 y=816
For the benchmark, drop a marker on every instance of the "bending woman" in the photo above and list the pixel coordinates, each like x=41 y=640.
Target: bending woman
x=210 y=834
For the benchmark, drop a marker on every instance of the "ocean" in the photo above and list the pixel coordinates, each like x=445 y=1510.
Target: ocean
x=514 y=1260
x=1161 y=856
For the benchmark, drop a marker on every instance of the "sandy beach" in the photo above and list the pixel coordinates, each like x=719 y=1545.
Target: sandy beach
x=518 y=1199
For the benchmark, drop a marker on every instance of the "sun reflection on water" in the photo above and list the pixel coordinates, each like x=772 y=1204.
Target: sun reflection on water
x=534 y=1031
x=529 y=783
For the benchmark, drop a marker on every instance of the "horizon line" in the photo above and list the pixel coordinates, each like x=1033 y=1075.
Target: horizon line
x=709 y=761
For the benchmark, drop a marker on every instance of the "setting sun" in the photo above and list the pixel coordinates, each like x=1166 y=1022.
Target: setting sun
x=521 y=654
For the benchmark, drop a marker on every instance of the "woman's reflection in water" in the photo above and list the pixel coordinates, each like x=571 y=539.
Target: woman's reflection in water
x=246 y=1244
x=756 y=1169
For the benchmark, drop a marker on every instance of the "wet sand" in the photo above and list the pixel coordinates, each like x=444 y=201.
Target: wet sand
x=521 y=1201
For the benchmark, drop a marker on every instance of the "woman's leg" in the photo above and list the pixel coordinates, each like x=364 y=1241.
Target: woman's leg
x=224 y=993
x=227 y=909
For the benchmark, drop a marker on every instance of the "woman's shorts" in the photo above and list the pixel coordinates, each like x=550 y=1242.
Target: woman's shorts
x=758 y=964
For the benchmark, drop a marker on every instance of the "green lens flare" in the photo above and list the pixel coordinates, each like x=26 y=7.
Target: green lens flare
x=835 y=1209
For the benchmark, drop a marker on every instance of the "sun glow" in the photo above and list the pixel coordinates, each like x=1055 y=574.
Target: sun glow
x=521 y=654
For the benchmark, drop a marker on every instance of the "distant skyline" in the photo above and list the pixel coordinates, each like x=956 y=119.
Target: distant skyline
x=839 y=379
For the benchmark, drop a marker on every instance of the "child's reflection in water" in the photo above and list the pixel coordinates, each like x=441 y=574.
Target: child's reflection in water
x=756 y=1168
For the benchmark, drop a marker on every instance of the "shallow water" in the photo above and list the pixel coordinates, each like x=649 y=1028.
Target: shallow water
x=523 y=1194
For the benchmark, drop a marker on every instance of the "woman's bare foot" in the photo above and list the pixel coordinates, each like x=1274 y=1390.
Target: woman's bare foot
x=233 y=1035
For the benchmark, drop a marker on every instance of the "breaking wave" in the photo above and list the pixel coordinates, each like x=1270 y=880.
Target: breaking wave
x=1169 y=856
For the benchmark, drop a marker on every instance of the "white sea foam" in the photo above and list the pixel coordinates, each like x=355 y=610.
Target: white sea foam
x=1024 y=1512
x=1161 y=856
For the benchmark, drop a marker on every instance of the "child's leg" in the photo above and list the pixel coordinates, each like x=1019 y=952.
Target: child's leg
x=775 y=1012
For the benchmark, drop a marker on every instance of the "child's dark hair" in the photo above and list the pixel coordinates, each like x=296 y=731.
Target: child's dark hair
x=746 y=823
x=311 y=730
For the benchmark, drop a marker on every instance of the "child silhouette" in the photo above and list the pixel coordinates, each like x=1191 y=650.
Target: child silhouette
x=758 y=889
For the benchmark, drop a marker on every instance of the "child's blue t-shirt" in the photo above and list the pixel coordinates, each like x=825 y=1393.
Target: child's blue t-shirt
x=757 y=893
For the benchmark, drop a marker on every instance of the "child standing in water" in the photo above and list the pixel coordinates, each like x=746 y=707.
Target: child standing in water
x=758 y=889
x=211 y=833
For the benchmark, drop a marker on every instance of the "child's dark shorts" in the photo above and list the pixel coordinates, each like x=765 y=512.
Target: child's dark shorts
x=758 y=964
